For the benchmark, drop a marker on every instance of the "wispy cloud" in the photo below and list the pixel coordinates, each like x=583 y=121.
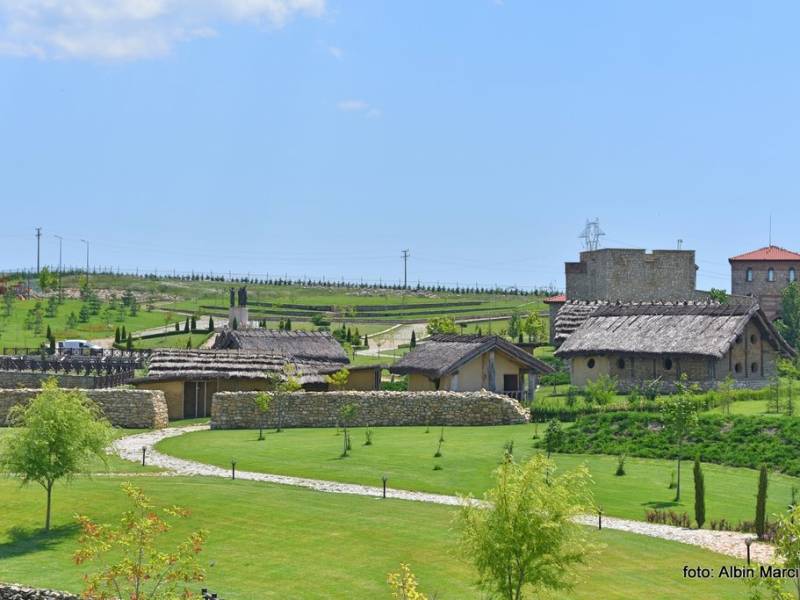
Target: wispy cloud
x=130 y=29
x=359 y=106
x=336 y=52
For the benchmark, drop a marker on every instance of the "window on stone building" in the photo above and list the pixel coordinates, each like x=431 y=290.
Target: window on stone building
x=792 y=275
x=737 y=367
x=621 y=363
x=754 y=339
x=590 y=363
x=770 y=274
x=748 y=276
x=754 y=367
x=668 y=364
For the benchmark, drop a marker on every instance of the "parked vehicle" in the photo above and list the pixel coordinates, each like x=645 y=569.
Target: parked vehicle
x=78 y=347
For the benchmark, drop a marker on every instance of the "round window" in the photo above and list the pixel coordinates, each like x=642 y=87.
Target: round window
x=754 y=367
x=754 y=339
x=590 y=363
x=668 y=364
x=737 y=367
x=621 y=363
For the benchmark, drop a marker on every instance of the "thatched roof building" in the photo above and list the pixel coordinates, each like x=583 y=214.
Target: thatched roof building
x=292 y=345
x=705 y=340
x=468 y=363
x=570 y=316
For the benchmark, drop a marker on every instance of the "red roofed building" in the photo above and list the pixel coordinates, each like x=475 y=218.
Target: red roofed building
x=764 y=273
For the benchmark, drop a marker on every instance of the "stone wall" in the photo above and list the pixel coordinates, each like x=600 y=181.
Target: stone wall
x=123 y=407
x=237 y=410
x=768 y=292
x=18 y=592
x=33 y=379
x=632 y=275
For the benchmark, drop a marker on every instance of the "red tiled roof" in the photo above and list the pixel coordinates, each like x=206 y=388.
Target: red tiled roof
x=555 y=299
x=768 y=253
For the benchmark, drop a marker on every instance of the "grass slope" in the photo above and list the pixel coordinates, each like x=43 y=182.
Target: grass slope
x=405 y=455
x=281 y=542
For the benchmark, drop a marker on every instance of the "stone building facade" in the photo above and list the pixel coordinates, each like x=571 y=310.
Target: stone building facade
x=764 y=274
x=632 y=275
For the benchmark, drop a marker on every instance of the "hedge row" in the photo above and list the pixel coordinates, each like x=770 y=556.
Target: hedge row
x=737 y=441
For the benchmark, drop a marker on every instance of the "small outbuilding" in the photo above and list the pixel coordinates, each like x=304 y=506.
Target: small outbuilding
x=706 y=341
x=466 y=363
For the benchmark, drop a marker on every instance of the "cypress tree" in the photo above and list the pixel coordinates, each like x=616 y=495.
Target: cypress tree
x=52 y=344
x=235 y=324
x=129 y=343
x=123 y=335
x=194 y=323
x=413 y=343
x=288 y=324
x=186 y=325
x=177 y=326
x=699 y=494
x=116 y=336
x=211 y=323
x=366 y=341
x=189 y=343
x=49 y=333
x=761 y=503
x=281 y=324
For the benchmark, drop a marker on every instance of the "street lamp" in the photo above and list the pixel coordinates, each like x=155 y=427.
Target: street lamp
x=385 y=479
x=87 y=262
x=747 y=543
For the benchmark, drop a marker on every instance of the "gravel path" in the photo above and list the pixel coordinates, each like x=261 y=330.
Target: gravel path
x=130 y=448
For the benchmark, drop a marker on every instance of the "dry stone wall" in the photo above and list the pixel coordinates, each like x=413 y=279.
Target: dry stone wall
x=33 y=379
x=18 y=592
x=237 y=410
x=123 y=407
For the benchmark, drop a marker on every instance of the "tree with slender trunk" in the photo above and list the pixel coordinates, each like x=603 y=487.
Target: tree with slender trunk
x=524 y=536
x=58 y=432
x=680 y=418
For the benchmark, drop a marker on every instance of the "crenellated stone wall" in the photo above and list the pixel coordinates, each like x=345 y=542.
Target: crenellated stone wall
x=237 y=410
x=123 y=407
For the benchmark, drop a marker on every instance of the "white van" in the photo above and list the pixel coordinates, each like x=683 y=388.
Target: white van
x=78 y=347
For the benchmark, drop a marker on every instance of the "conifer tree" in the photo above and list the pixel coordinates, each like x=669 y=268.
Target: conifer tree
x=124 y=334
x=288 y=325
x=761 y=503
x=699 y=494
x=129 y=342
x=413 y=343
x=186 y=325
x=366 y=341
x=194 y=323
x=211 y=323
x=116 y=336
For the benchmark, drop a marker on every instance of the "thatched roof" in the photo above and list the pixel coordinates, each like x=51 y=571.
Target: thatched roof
x=571 y=316
x=681 y=328
x=232 y=364
x=292 y=345
x=444 y=354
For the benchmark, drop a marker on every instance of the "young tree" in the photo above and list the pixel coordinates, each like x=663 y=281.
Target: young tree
x=552 y=436
x=288 y=324
x=789 y=323
x=123 y=334
x=441 y=325
x=186 y=325
x=346 y=415
x=366 y=341
x=404 y=585
x=718 y=295
x=699 y=494
x=177 y=326
x=413 y=343
x=129 y=342
x=533 y=326
x=761 y=503
x=211 y=323
x=59 y=431
x=47 y=279
x=525 y=537
x=263 y=401
x=135 y=564
x=515 y=324
x=680 y=417
x=117 y=337
x=338 y=379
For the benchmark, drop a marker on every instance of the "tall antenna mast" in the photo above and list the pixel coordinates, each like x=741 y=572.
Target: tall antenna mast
x=591 y=234
x=405 y=268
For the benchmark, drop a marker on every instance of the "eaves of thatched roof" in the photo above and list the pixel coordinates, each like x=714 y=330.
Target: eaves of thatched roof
x=571 y=316
x=444 y=354
x=292 y=345
x=679 y=328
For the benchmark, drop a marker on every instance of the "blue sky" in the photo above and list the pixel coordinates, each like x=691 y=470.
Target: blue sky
x=322 y=137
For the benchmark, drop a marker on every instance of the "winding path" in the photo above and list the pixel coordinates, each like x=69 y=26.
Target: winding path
x=130 y=448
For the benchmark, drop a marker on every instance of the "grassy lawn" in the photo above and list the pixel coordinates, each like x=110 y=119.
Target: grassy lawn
x=405 y=456
x=172 y=341
x=102 y=325
x=282 y=542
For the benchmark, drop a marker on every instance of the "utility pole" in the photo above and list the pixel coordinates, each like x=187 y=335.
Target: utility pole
x=87 y=262
x=405 y=269
x=60 y=289
x=38 y=247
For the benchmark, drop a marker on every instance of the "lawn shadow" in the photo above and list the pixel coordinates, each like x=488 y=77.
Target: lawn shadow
x=662 y=504
x=28 y=540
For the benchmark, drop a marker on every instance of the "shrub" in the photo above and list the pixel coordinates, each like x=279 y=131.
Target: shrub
x=699 y=494
x=620 y=466
x=601 y=391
